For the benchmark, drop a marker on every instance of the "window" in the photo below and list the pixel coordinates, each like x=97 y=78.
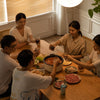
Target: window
x=29 y=7
x=3 y=16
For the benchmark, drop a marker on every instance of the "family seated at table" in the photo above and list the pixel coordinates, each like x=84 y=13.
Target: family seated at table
x=26 y=84
x=73 y=42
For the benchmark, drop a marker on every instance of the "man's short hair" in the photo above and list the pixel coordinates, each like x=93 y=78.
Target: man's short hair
x=97 y=39
x=7 y=40
x=25 y=57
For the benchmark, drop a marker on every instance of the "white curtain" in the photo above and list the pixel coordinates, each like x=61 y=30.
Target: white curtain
x=61 y=15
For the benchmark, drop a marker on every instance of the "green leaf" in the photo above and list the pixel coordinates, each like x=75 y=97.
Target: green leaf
x=99 y=10
x=90 y=12
x=96 y=9
x=99 y=6
x=95 y=3
x=97 y=0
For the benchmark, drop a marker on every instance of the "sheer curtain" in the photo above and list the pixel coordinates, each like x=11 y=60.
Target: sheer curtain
x=3 y=11
x=61 y=16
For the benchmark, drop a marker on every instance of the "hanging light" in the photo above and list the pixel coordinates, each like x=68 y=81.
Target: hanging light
x=69 y=3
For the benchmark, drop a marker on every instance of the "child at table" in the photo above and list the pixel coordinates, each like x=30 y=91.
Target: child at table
x=94 y=58
x=26 y=84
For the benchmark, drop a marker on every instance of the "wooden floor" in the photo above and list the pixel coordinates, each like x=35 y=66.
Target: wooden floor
x=29 y=7
x=52 y=38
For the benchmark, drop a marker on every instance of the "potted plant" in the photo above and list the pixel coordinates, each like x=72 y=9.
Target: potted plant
x=96 y=8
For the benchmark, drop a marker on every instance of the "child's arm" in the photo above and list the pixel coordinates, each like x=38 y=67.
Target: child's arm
x=84 y=65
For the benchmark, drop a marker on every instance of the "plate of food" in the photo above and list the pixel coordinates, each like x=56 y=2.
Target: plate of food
x=71 y=69
x=72 y=78
x=57 y=84
x=66 y=62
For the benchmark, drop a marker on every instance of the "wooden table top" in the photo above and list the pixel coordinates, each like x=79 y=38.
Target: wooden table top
x=87 y=89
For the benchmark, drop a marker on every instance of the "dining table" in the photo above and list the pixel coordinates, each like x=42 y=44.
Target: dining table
x=87 y=89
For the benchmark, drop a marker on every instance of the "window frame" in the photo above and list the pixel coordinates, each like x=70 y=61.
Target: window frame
x=6 y=15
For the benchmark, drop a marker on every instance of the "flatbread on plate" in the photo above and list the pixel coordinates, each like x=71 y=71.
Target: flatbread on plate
x=66 y=62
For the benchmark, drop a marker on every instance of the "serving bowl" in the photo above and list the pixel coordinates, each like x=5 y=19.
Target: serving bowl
x=49 y=67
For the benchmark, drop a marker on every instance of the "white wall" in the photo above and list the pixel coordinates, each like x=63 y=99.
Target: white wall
x=42 y=25
x=89 y=27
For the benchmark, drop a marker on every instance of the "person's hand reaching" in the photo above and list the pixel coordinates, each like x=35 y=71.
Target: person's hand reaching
x=56 y=62
x=52 y=47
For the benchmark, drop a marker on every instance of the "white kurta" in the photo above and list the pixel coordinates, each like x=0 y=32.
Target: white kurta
x=95 y=61
x=27 y=32
x=7 y=65
x=26 y=85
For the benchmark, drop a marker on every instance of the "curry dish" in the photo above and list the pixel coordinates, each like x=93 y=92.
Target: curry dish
x=50 y=60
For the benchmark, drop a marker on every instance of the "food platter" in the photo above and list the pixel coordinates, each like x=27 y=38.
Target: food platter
x=72 y=78
x=57 y=84
x=71 y=69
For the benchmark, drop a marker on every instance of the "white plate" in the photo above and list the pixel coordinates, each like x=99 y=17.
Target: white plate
x=71 y=69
